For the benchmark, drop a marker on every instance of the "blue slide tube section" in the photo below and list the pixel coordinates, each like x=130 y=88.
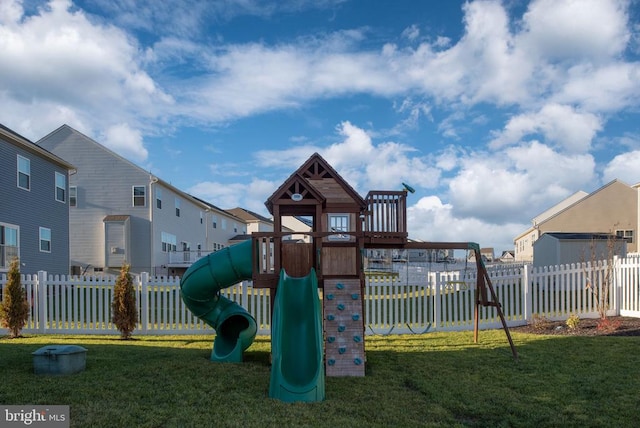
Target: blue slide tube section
x=200 y=290
x=297 y=369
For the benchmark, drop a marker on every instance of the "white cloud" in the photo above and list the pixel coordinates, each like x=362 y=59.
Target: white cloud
x=601 y=89
x=411 y=33
x=226 y=196
x=432 y=220
x=125 y=141
x=513 y=186
x=58 y=64
x=624 y=167
x=580 y=30
x=561 y=125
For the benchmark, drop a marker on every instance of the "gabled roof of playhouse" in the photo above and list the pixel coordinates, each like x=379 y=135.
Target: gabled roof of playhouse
x=315 y=181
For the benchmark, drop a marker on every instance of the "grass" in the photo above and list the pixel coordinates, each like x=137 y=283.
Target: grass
x=436 y=379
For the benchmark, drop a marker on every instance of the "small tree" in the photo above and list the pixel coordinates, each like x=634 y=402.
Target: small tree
x=599 y=276
x=14 y=308
x=123 y=307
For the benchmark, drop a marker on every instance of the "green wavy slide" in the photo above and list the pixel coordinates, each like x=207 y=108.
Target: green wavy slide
x=297 y=369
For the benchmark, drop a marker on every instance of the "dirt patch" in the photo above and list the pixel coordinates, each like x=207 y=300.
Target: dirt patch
x=613 y=326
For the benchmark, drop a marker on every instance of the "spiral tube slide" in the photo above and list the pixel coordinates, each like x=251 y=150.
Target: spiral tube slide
x=200 y=290
x=297 y=369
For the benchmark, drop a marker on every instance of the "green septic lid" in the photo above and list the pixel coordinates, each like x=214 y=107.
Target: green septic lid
x=59 y=350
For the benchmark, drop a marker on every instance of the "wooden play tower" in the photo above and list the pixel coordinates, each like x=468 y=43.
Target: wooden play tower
x=344 y=225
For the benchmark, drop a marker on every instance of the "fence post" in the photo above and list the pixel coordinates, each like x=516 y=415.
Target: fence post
x=437 y=302
x=144 y=301
x=526 y=290
x=616 y=286
x=244 y=300
x=41 y=292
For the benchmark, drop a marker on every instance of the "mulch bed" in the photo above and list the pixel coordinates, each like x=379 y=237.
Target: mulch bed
x=615 y=326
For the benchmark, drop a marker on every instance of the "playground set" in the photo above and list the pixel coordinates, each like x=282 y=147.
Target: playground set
x=310 y=337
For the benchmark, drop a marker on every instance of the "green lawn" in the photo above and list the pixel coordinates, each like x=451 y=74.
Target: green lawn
x=435 y=379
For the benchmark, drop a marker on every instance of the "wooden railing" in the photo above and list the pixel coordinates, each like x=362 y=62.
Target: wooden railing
x=385 y=221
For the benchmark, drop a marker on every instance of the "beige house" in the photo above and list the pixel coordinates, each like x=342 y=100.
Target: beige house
x=613 y=209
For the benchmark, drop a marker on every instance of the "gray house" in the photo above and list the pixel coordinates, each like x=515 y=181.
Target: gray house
x=559 y=248
x=34 y=206
x=121 y=213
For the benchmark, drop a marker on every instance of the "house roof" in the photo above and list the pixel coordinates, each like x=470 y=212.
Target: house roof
x=579 y=236
x=116 y=218
x=240 y=237
x=33 y=147
x=248 y=215
x=314 y=169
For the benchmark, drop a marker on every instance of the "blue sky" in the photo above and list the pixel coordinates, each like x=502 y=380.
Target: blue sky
x=493 y=111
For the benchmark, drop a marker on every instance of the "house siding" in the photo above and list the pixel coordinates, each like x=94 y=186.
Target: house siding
x=35 y=208
x=104 y=182
x=613 y=207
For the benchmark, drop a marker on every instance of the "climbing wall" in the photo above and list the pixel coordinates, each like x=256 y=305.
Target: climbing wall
x=343 y=327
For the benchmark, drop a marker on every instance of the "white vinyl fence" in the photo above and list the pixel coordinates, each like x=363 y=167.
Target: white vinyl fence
x=411 y=300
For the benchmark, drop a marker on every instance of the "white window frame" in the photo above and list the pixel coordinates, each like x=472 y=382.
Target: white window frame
x=73 y=196
x=333 y=226
x=63 y=189
x=158 y=198
x=5 y=254
x=626 y=234
x=135 y=197
x=25 y=173
x=214 y=221
x=177 y=204
x=43 y=238
x=169 y=242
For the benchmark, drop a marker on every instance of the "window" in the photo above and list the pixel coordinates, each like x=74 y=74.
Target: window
x=73 y=196
x=215 y=221
x=45 y=240
x=224 y=224
x=9 y=244
x=201 y=218
x=24 y=173
x=169 y=242
x=235 y=227
x=61 y=187
x=339 y=223
x=139 y=196
x=158 y=198
x=626 y=234
x=177 y=207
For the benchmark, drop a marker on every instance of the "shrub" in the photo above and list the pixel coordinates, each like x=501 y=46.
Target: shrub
x=14 y=308
x=573 y=322
x=540 y=322
x=123 y=307
x=607 y=325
